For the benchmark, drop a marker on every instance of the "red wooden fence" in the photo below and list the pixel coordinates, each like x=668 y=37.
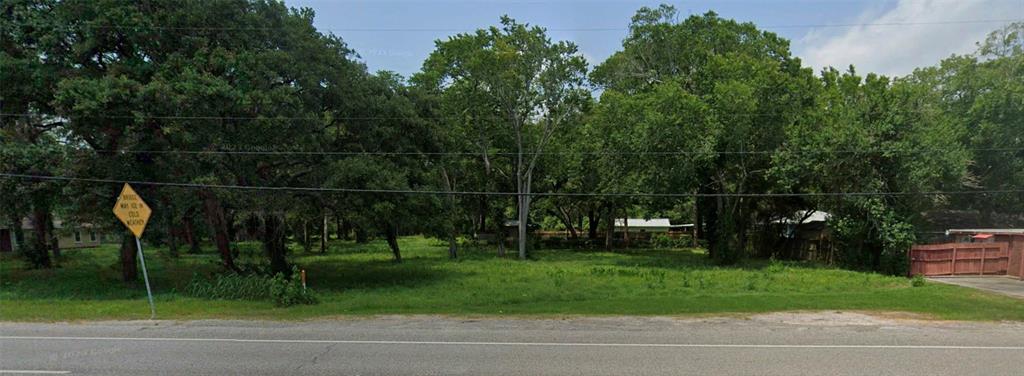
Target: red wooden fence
x=960 y=259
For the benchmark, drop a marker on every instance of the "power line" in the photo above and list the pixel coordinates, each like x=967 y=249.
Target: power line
x=576 y=29
x=481 y=193
x=323 y=118
x=563 y=153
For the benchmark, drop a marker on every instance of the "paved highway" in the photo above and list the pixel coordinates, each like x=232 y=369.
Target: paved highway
x=777 y=344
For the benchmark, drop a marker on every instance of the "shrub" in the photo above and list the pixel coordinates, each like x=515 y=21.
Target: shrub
x=283 y=291
x=230 y=287
x=665 y=242
x=775 y=266
x=287 y=291
x=917 y=280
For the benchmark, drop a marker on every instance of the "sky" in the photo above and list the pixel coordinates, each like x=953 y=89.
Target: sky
x=397 y=35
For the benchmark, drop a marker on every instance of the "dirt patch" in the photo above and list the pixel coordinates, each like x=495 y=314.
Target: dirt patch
x=843 y=318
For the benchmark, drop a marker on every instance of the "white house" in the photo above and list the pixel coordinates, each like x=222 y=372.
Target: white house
x=653 y=225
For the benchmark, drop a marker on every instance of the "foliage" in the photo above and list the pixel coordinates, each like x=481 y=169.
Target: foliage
x=230 y=287
x=287 y=291
x=704 y=106
x=282 y=290
x=917 y=280
x=509 y=88
x=712 y=87
x=666 y=242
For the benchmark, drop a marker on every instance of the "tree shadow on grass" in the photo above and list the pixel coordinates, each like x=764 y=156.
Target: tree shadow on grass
x=340 y=275
x=673 y=259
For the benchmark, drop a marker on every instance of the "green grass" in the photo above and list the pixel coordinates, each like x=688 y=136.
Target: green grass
x=361 y=280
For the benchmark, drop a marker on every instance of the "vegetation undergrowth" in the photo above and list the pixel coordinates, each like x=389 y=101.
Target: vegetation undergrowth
x=359 y=279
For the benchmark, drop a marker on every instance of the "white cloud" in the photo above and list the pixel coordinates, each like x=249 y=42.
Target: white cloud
x=898 y=49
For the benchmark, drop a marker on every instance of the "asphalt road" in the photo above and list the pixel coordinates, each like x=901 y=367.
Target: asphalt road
x=778 y=344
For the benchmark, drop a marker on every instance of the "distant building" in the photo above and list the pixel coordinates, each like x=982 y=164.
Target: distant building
x=640 y=225
x=69 y=235
x=806 y=236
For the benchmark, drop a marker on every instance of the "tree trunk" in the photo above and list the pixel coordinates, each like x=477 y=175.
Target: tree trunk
x=217 y=222
x=55 y=240
x=172 y=233
x=55 y=246
x=323 y=236
x=698 y=221
x=500 y=233
x=567 y=221
x=172 y=244
x=190 y=234
x=19 y=237
x=594 y=220
x=39 y=253
x=625 y=228
x=609 y=233
x=361 y=235
x=306 y=244
x=579 y=223
x=711 y=219
x=129 y=258
x=273 y=244
x=391 y=234
x=338 y=228
x=482 y=215
x=453 y=247
x=229 y=225
x=524 y=208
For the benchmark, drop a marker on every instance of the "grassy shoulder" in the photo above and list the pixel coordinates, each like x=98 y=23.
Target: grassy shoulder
x=360 y=279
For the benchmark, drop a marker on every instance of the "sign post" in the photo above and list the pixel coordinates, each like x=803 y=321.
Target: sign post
x=134 y=214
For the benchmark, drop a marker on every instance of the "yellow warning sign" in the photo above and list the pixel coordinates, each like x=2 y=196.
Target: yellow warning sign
x=132 y=211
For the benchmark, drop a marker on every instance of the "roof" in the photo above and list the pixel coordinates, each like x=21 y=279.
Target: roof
x=27 y=224
x=815 y=216
x=640 y=222
x=993 y=231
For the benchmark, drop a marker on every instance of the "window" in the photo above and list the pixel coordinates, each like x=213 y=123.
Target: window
x=92 y=236
x=78 y=236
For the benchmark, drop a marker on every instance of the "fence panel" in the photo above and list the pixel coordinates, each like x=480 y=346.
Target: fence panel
x=960 y=259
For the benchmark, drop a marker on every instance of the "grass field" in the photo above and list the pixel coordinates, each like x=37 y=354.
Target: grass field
x=360 y=279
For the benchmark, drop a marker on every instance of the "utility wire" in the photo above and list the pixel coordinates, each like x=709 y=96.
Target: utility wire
x=576 y=29
x=480 y=193
x=563 y=153
x=322 y=118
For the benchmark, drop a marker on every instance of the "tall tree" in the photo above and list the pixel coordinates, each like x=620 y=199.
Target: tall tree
x=263 y=79
x=984 y=92
x=29 y=129
x=873 y=134
x=519 y=84
x=741 y=88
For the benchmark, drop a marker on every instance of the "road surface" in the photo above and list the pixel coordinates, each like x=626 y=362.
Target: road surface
x=775 y=344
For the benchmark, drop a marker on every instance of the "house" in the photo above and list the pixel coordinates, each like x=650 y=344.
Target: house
x=640 y=225
x=69 y=235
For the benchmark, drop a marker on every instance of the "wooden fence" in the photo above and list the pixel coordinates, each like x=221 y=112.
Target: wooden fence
x=960 y=259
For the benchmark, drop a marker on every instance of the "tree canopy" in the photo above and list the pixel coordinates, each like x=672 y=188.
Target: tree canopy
x=266 y=129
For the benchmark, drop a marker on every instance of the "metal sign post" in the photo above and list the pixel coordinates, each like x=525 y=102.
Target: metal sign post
x=134 y=213
x=145 y=276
